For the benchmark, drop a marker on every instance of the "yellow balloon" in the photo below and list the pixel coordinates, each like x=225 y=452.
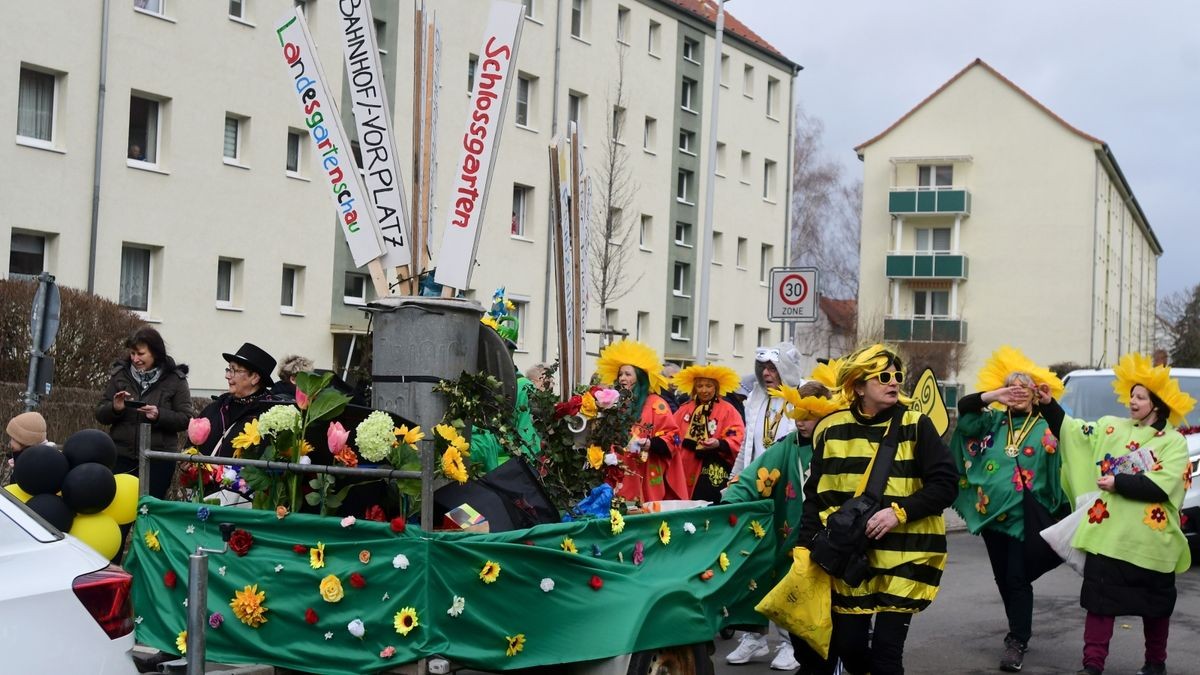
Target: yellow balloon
x=18 y=492
x=98 y=531
x=123 y=507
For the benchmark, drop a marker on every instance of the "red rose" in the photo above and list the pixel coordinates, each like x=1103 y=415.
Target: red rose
x=398 y=525
x=310 y=616
x=733 y=520
x=300 y=548
x=375 y=513
x=357 y=580
x=170 y=579
x=569 y=407
x=596 y=583
x=240 y=542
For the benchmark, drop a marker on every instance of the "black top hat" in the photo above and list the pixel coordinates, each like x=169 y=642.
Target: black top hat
x=253 y=357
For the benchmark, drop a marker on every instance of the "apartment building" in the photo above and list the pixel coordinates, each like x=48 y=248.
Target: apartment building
x=188 y=191
x=989 y=220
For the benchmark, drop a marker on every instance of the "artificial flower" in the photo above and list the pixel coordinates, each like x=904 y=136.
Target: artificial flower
x=587 y=406
x=732 y=520
x=247 y=439
x=356 y=628
x=170 y=579
x=405 y=620
x=349 y=521
x=595 y=456
x=664 y=533
x=331 y=589
x=706 y=575
x=181 y=642
x=346 y=457
x=151 y=539
x=240 y=542
x=766 y=480
x=398 y=525
x=689 y=528
x=490 y=571
x=753 y=585
x=568 y=408
x=202 y=513
x=516 y=643
x=143 y=509
x=248 y=606
x=400 y=562
x=547 y=585
x=191 y=529
x=757 y=529
x=457 y=605
x=364 y=556
x=198 y=430
x=329 y=635
x=453 y=465
x=596 y=582
x=221 y=570
x=278 y=418
x=281 y=512
x=606 y=398
x=723 y=561
x=375 y=512
x=1156 y=517
x=1098 y=512
x=616 y=521
x=568 y=545
x=981 y=501
x=387 y=652
x=215 y=620
x=336 y=436
x=305 y=448
x=310 y=616
x=409 y=436
x=316 y=556
x=357 y=580
x=300 y=548
x=596 y=552
x=278 y=569
x=375 y=436
x=301 y=399
x=639 y=552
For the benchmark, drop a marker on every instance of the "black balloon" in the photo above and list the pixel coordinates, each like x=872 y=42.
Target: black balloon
x=90 y=445
x=89 y=488
x=40 y=469
x=53 y=510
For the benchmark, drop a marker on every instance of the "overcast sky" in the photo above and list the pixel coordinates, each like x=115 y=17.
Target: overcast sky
x=1124 y=71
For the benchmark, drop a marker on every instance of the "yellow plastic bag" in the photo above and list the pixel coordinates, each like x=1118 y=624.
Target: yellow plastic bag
x=800 y=603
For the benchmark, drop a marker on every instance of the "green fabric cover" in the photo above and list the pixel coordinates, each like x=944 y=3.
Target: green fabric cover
x=661 y=602
x=486 y=450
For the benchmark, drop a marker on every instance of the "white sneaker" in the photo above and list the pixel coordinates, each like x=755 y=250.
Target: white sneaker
x=751 y=646
x=785 y=659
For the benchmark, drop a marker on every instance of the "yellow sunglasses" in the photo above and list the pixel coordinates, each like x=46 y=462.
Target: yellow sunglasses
x=886 y=376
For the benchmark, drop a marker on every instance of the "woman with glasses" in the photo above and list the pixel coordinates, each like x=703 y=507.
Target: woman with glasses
x=147 y=385
x=1010 y=482
x=248 y=373
x=906 y=536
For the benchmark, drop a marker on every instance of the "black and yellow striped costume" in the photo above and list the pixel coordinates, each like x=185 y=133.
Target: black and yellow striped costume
x=907 y=563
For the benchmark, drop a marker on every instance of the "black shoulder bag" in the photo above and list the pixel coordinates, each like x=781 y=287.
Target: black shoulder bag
x=841 y=547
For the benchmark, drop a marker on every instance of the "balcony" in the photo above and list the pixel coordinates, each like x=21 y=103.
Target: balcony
x=924 y=329
x=923 y=201
x=926 y=265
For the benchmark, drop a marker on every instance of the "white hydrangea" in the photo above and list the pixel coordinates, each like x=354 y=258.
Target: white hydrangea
x=375 y=436
x=278 y=418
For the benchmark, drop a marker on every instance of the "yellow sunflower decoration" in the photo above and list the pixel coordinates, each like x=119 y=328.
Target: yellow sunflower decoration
x=726 y=378
x=1138 y=369
x=630 y=353
x=1008 y=360
x=802 y=408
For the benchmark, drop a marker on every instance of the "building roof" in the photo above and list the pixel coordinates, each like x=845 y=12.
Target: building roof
x=842 y=313
x=1102 y=148
x=706 y=10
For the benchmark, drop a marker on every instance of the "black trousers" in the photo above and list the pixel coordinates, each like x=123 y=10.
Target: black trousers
x=878 y=651
x=1007 y=555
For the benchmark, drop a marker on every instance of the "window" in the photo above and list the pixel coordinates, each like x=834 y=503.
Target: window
x=655 y=38
x=27 y=254
x=931 y=303
x=684 y=186
x=135 y=278
x=938 y=177
x=680 y=279
x=152 y=6
x=520 y=209
x=772 y=97
x=691 y=50
x=618 y=122
x=237 y=9
x=576 y=109
x=642 y=329
x=687 y=94
x=579 y=10
x=739 y=338
x=768 y=189
x=748 y=80
x=229 y=271
x=718 y=248
x=143 y=129
x=233 y=138
x=611 y=320
x=933 y=239
x=683 y=233
x=36 y=99
x=766 y=258
x=721 y=161
x=529 y=9
x=381 y=35
x=764 y=336
x=644 y=229
x=355 y=292
x=623 y=25
x=290 y=286
x=356 y=152
x=524 y=97
x=294 y=145
x=616 y=216
x=687 y=141
x=521 y=311
x=650 y=134
x=679 y=328
x=746 y=167
x=741 y=253
x=725 y=70
x=714 y=333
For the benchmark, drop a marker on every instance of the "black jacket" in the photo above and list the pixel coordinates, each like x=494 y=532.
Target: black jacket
x=170 y=393
x=228 y=416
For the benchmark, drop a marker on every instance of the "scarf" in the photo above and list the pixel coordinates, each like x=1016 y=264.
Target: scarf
x=698 y=427
x=144 y=379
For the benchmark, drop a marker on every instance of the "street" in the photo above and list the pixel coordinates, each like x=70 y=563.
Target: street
x=963 y=631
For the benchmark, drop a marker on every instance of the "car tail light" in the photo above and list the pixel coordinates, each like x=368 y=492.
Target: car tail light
x=106 y=596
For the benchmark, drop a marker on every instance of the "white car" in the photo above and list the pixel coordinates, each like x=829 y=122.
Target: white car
x=63 y=608
x=1089 y=396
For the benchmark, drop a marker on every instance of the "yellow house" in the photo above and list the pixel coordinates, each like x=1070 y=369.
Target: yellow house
x=989 y=220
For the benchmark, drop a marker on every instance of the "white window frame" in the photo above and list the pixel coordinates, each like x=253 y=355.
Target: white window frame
x=618 y=124
x=380 y=35
x=520 y=209
x=722 y=159
x=472 y=68
x=718 y=246
x=34 y=141
x=928 y=234
x=649 y=134
x=530 y=9
x=687 y=233
x=239 y=141
x=579 y=19
x=234 y=267
x=746 y=162
x=624 y=21
x=684 y=187
x=687 y=142
x=739 y=339
x=645 y=231
x=748 y=81
x=772 y=97
x=151 y=264
x=521 y=304
x=654 y=39
x=300 y=153
x=687 y=94
x=297 y=306
x=764 y=337
x=243 y=15
x=725 y=64
x=528 y=83
x=577 y=110
x=159 y=121
x=642 y=327
x=690 y=47
x=766 y=255
x=46 y=240
x=928 y=295
x=679 y=328
x=932 y=181
x=742 y=249
x=355 y=300
x=680 y=277
x=714 y=334
x=142 y=6
x=770 y=175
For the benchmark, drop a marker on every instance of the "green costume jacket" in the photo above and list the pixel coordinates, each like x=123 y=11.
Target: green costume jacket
x=487 y=450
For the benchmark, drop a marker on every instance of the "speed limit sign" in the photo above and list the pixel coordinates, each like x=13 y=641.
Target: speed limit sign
x=793 y=294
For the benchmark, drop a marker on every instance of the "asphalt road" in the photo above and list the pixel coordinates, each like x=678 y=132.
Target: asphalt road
x=962 y=633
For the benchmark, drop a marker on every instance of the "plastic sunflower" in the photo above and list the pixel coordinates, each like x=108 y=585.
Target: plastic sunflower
x=490 y=572
x=316 y=556
x=151 y=539
x=723 y=561
x=516 y=643
x=801 y=408
x=757 y=529
x=247 y=439
x=1134 y=369
x=248 y=606
x=453 y=466
x=616 y=521
x=409 y=436
x=664 y=533
x=405 y=621
x=181 y=642
x=568 y=545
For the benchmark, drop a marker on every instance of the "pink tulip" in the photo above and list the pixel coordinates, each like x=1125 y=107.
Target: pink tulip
x=336 y=436
x=198 y=430
x=605 y=398
x=301 y=400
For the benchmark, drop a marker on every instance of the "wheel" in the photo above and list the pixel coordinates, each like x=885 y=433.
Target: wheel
x=680 y=660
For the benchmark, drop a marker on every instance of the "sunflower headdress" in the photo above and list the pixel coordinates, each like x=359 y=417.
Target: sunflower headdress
x=1135 y=369
x=859 y=366
x=726 y=378
x=630 y=353
x=1008 y=360
x=801 y=408
x=826 y=373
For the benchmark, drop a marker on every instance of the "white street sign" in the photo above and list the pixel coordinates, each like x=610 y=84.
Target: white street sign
x=793 y=294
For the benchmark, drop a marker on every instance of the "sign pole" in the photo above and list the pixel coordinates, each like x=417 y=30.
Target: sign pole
x=705 y=254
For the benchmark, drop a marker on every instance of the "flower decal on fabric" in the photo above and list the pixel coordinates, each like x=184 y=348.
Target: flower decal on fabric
x=639 y=553
x=766 y=480
x=310 y=616
x=151 y=539
x=215 y=620
x=248 y=606
x=1098 y=512
x=757 y=529
x=349 y=521
x=1028 y=451
x=405 y=621
x=987 y=441
x=1187 y=476
x=616 y=521
x=963 y=483
x=1132 y=445
x=706 y=575
x=790 y=491
x=990 y=466
x=331 y=589
x=457 y=605
x=364 y=556
x=689 y=528
x=1022 y=479
x=1109 y=429
x=490 y=572
x=398 y=525
x=516 y=643
x=357 y=580
x=400 y=562
x=1156 y=517
x=568 y=545
x=973 y=446
x=664 y=533
x=170 y=579
x=316 y=556
x=596 y=582
x=547 y=585
x=723 y=561
x=1049 y=442
x=202 y=513
x=181 y=642
x=356 y=628
x=240 y=542
x=981 y=501
x=1087 y=429
x=387 y=652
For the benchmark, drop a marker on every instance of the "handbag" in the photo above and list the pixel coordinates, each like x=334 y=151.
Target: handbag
x=800 y=603
x=840 y=548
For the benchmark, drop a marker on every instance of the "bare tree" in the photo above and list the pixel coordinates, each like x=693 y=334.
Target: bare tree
x=608 y=246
